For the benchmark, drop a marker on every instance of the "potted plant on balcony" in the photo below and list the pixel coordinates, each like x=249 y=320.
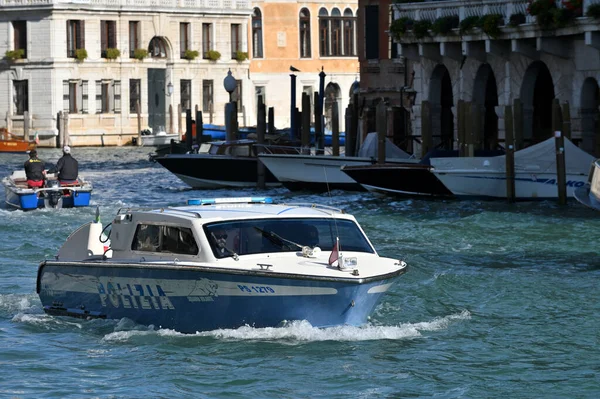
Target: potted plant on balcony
x=400 y=26
x=241 y=56
x=467 y=24
x=575 y=7
x=421 y=28
x=81 y=54
x=12 y=55
x=490 y=24
x=190 y=55
x=112 y=53
x=140 y=53
x=443 y=25
x=517 y=19
x=213 y=55
x=593 y=11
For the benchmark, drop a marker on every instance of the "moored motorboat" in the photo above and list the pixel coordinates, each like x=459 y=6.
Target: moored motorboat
x=11 y=143
x=589 y=194
x=219 y=164
x=220 y=263
x=51 y=195
x=313 y=172
x=535 y=172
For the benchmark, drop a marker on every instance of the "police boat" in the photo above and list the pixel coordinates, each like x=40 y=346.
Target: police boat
x=52 y=195
x=220 y=263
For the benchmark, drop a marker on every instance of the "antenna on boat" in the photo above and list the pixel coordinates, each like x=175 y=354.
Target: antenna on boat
x=336 y=251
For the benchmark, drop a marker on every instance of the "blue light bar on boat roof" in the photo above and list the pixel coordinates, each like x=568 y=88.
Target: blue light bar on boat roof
x=235 y=200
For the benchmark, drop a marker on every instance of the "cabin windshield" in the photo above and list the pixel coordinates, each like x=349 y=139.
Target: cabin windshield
x=244 y=237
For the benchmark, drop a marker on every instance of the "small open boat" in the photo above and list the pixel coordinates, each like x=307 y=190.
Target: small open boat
x=11 y=143
x=220 y=263
x=52 y=195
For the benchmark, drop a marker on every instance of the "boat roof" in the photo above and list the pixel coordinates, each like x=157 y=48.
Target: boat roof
x=242 y=208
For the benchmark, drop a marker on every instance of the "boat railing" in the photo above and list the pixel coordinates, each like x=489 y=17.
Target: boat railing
x=161 y=210
x=315 y=206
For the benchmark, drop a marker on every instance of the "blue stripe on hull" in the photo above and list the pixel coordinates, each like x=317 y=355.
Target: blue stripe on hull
x=217 y=300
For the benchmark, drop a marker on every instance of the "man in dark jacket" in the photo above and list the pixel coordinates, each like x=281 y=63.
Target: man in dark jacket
x=34 y=170
x=67 y=167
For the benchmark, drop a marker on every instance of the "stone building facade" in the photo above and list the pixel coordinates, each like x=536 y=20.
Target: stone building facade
x=45 y=70
x=518 y=57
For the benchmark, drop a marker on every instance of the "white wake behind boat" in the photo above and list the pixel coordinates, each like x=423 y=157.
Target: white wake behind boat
x=535 y=172
x=220 y=263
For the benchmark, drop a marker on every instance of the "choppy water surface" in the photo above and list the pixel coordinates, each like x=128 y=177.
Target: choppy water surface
x=500 y=301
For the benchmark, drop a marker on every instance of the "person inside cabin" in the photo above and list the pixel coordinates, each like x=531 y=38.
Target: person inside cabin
x=67 y=168
x=34 y=170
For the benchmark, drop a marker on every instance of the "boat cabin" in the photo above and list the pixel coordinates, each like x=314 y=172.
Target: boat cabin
x=207 y=232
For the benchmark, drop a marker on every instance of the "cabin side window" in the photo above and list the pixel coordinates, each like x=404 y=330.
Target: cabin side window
x=167 y=239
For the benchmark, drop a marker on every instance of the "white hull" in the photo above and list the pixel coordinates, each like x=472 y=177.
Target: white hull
x=152 y=141
x=214 y=184
x=478 y=183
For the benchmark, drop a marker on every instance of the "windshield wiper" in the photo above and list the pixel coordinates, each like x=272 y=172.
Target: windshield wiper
x=221 y=245
x=278 y=240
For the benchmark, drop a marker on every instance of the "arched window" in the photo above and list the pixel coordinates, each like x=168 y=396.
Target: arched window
x=304 y=33
x=157 y=48
x=257 y=41
x=324 y=38
x=348 y=27
x=336 y=32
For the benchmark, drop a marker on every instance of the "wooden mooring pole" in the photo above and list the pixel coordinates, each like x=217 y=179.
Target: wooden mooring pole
x=510 y=153
x=381 y=123
x=261 y=130
x=305 y=120
x=561 y=173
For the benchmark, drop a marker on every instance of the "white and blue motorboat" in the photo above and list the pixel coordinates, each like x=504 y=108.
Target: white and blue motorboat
x=220 y=263
x=51 y=195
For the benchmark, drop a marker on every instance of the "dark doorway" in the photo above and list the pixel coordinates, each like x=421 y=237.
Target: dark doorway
x=485 y=96
x=156 y=100
x=442 y=101
x=590 y=101
x=537 y=94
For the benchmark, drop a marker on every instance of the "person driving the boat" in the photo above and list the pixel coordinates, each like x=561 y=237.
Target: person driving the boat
x=34 y=170
x=67 y=168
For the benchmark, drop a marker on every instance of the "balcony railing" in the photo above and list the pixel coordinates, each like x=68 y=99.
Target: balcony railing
x=154 y=4
x=431 y=11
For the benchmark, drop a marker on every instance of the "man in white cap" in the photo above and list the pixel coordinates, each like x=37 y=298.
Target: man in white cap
x=67 y=168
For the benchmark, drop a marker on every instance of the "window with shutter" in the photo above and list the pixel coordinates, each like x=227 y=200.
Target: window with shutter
x=185 y=87
x=206 y=39
x=117 y=96
x=257 y=40
x=305 y=33
x=20 y=36
x=134 y=42
x=207 y=95
x=134 y=95
x=66 y=92
x=21 y=96
x=84 y=96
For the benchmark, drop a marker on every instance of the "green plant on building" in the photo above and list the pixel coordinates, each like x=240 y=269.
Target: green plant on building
x=190 y=55
x=213 y=55
x=112 y=53
x=593 y=11
x=490 y=24
x=81 y=54
x=444 y=25
x=140 y=53
x=517 y=19
x=241 y=56
x=549 y=16
x=468 y=24
x=400 y=26
x=12 y=55
x=421 y=28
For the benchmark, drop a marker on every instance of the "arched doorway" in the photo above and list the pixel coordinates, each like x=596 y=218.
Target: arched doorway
x=442 y=101
x=158 y=49
x=485 y=96
x=537 y=94
x=590 y=101
x=333 y=95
